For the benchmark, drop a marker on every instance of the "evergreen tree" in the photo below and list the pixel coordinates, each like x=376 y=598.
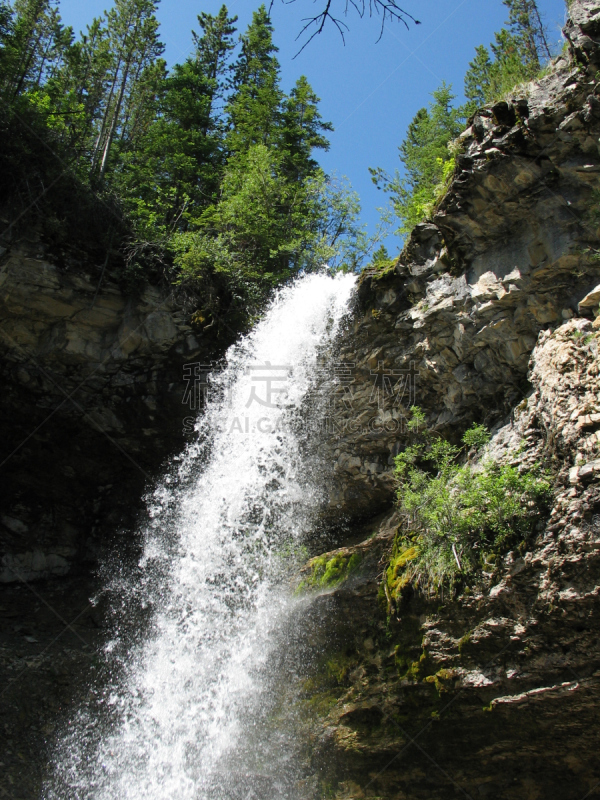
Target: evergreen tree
x=6 y=21
x=34 y=41
x=478 y=80
x=71 y=97
x=214 y=47
x=518 y=53
x=254 y=106
x=426 y=159
x=86 y=71
x=525 y=23
x=212 y=163
x=173 y=173
x=132 y=30
x=265 y=229
x=302 y=130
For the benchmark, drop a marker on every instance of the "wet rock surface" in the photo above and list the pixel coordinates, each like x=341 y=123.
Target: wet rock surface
x=49 y=638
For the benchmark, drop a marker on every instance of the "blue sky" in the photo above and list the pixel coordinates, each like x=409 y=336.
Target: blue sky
x=369 y=90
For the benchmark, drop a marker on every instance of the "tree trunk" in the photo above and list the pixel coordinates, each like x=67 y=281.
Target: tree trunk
x=115 y=119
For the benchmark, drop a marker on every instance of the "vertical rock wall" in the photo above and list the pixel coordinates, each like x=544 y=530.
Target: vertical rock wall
x=92 y=389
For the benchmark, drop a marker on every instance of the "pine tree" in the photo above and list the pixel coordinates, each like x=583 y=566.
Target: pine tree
x=478 y=80
x=6 y=21
x=133 y=37
x=302 y=130
x=525 y=23
x=488 y=79
x=426 y=159
x=173 y=172
x=518 y=53
x=7 y=30
x=254 y=106
x=34 y=41
x=73 y=93
x=426 y=143
x=214 y=46
x=87 y=69
x=212 y=163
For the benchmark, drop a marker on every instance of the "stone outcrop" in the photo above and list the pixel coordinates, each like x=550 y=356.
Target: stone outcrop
x=492 y=693
x=489 y=315
x=91 y=403
x=512 y=249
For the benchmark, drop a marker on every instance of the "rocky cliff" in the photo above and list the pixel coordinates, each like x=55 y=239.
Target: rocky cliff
x=487 y=316
x=512 y=250
x=93 y=385
x=493 y=692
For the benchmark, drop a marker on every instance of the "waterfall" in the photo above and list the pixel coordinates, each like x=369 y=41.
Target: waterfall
x=189 y=710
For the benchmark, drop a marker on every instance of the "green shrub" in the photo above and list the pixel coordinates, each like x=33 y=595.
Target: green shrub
x=455 y=512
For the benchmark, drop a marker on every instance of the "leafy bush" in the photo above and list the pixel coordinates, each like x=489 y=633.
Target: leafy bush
x=456 y=515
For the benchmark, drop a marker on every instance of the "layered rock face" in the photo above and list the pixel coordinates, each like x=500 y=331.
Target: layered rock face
x=488 y=316
x=93 y=384
x=493 y=693
x=512 y=250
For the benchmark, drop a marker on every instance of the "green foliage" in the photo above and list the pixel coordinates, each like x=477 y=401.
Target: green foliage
x=264 y=229
x=206 y=265
x=381 y=258
x=455 y=513
x=490 y=79
x=478 y=80
x=428 y=163
x=174 y=172
x=428 y=150
x=381 y=264
x=33 y=41
x=302 y=130
x=208 y=169
x=526 y=25
x=254 y=108
x=477 y=436
x=265 y=218
x=396 y=576
x=133 y=77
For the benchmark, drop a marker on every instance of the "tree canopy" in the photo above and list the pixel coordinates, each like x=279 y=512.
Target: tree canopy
x=209 y=167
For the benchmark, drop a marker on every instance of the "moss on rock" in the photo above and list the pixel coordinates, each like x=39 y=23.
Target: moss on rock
x=327 y=572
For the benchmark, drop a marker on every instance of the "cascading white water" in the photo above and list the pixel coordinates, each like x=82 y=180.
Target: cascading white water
x=189 y=710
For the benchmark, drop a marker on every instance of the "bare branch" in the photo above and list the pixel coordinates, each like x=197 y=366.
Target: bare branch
x=389 y=10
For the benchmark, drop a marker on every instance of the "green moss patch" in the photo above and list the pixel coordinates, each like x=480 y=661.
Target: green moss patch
x=328 y=572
